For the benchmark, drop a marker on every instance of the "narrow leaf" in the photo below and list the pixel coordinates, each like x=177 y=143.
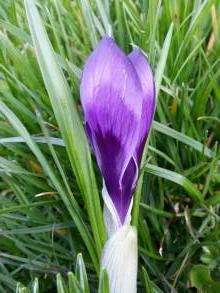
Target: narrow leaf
x=81 y=274
x=103 y=282
x=176 y=178
x=68 y=121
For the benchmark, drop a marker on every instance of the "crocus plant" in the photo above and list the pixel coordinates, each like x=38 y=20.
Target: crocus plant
x=118 y=98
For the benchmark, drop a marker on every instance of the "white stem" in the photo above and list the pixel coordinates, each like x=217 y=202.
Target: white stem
x=119 y=255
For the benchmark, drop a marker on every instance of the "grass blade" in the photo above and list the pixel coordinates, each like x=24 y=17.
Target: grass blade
x=162 y=62
x=103 y=282
x=68 y=121
x=158 y=79
x=81 y=274
x=183 y=138
x=176 y=178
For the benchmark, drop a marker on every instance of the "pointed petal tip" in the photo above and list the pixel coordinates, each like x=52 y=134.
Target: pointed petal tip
x=106 y=40
x=144 y=72
x=136 y=51
x=146 y=78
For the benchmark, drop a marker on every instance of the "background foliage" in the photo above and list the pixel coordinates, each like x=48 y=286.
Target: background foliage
x=50 y=204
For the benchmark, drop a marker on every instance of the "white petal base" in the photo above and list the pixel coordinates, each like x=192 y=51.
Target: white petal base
x=120 y=260
x=119 y=256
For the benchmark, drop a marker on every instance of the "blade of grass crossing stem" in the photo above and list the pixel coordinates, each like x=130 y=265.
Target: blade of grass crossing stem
x=158 y=79
x=176 y=178
x=68 y=121
x=70 y=203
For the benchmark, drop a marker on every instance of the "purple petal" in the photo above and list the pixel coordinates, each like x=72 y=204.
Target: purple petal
x=146 y=78
x=112 y=99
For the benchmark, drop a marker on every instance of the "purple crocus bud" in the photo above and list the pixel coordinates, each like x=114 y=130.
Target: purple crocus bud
x=117 y=94
x=118 y=98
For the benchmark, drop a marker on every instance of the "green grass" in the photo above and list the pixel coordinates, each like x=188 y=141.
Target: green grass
x=50 y=204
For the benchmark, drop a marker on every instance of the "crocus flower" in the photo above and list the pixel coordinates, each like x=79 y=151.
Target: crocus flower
x=118 y=98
